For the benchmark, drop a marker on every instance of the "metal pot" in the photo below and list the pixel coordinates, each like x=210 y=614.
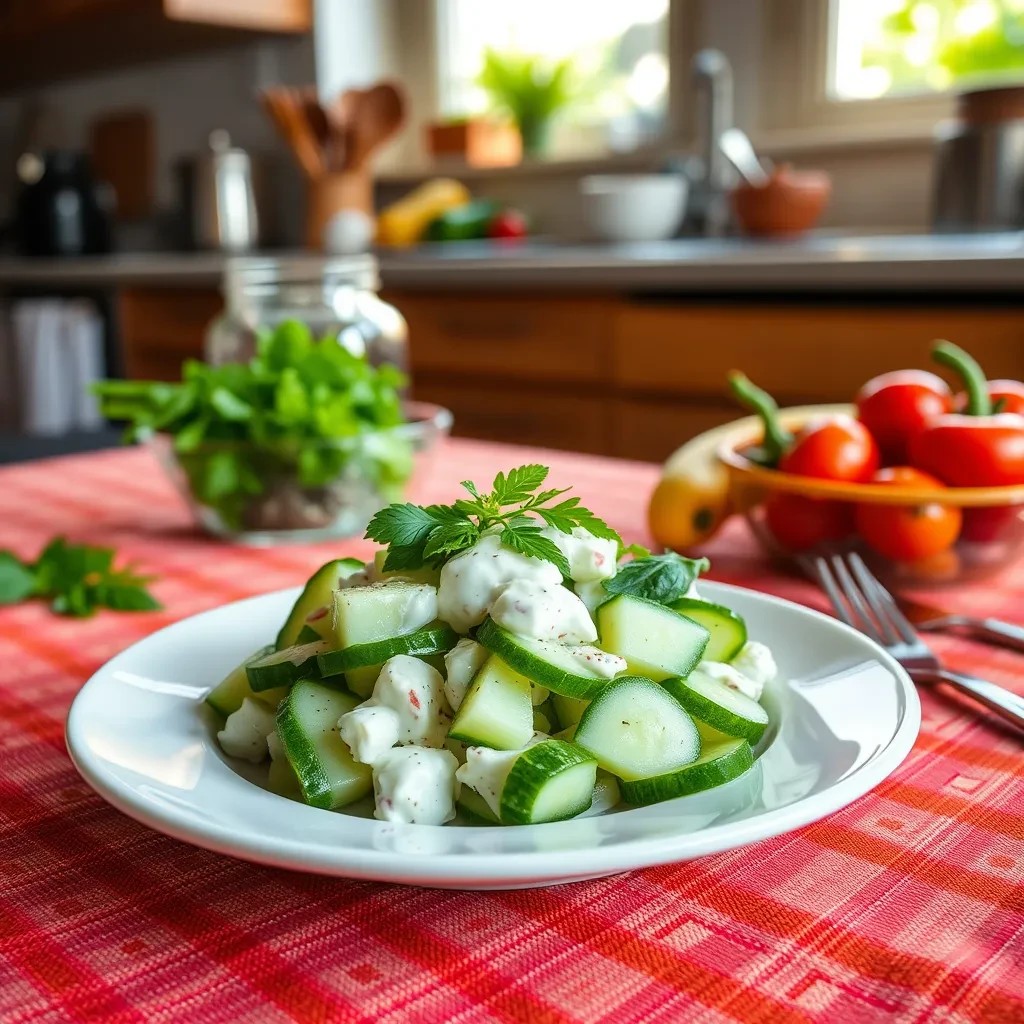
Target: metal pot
x=220 y=195
x=979 y=163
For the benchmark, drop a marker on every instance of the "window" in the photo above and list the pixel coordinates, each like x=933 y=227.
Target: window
x=616 y=52
x=905 y=47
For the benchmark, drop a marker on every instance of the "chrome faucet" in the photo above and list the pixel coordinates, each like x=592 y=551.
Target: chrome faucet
x=712 y=79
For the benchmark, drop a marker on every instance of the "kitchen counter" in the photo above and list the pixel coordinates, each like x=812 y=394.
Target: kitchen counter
x=818 y=263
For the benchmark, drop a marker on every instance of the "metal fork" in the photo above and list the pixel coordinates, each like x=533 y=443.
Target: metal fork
x=863 y=603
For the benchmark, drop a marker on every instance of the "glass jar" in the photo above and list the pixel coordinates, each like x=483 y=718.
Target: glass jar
x=334 y=295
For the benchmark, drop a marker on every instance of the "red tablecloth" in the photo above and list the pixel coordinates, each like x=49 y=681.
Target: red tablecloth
x=908 y=905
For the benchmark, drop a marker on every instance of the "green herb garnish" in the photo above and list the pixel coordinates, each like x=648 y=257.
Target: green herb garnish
x=297 y=417
x=661 y=578
x=418 y=535
x=76 y=579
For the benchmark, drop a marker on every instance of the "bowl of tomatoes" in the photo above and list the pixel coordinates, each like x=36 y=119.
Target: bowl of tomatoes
x=927 y=483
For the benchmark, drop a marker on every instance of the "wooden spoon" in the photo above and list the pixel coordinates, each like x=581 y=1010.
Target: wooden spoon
x=377 y=114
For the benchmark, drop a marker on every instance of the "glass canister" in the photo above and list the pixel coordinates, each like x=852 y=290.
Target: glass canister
x=334 y=295
x=296 y=483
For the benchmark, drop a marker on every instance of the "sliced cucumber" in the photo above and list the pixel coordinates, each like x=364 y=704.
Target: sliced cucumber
x=307 y=725
x=436 y=638
x=227 y=696
x=710 y=701
x=315 y=594
x=636 y=729
x=281 y=777
x=284 y=667
x=319 y=623
x=716 y=766
x=655 y=641
x=423 y=575
x=551 y=664
x=728 y=630
x=475 y=807
x=496 y=711
x=606 y=792
x=307 y=635
x=568 y=710
x=541 y=722
x=361 y=681
x=364 y=615
x=549 y=781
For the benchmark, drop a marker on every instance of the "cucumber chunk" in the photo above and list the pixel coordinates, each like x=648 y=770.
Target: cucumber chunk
x=436 y=638
x=475 y=808
x=361 y=681
x=423 y=575
x=716 y=766
x=497 y=711
x=636 y=730
x=728 y=630
x=568 y=710
x=364 y=615
x=227 y=696
x=307 y=635
x=284 y=667
x=316 y=594
x=562 y=668
x=307 y=726
x=549 y=781
x=727 y=710
x=655 y=641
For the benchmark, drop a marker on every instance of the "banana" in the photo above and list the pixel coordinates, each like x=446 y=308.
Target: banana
x=692 y=498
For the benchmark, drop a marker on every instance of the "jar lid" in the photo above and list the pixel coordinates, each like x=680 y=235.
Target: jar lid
x=248 y=272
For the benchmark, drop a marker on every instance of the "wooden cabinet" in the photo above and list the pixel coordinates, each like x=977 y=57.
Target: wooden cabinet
x=613 y=375
x=162 y=327
x=636 y=378
x=45 y=40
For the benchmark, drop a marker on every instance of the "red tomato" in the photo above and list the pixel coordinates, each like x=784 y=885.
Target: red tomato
x=894 y=406
x=998 y=522
x=801 y=524
x=839 y=448
x=508 y=224
x=972 y=451
x=1010 y=393
x=908 y=533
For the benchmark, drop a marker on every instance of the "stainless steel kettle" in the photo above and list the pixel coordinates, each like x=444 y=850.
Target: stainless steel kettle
x=220 y=193
x=979 y=163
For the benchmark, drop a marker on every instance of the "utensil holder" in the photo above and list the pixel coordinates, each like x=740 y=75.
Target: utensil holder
x=332 y=193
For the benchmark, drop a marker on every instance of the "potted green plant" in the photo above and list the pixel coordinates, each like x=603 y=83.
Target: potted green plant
x=529 y=89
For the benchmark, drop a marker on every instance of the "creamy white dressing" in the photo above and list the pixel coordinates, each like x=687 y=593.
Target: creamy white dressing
x=416 y=785
x=415 y=691
x=601 y=663
x=461 y=663
x=370 y=731
x=592 y=594
x=486 y=770
x=590 y=558
x=543 y=611
x=748 y=672
x=472 y=580
x=246 y=730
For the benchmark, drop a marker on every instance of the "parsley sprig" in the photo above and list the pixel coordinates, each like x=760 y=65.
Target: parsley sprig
x=418 y=535
x=76 y=579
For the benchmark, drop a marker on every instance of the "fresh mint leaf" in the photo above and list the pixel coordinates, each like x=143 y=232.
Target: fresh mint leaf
x=660 y=578
x=519 y=484
x=17 y=580
x=528 y=540
x=403 y=525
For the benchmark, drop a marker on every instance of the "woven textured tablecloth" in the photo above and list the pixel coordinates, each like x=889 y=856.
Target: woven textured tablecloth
x=908 y=905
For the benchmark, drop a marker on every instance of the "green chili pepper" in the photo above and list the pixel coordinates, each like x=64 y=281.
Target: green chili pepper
x=777 y=439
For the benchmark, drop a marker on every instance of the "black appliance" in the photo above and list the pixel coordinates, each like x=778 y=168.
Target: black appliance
x=61 y=210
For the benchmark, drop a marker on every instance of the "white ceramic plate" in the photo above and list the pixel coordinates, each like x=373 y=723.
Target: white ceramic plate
x=843 y=719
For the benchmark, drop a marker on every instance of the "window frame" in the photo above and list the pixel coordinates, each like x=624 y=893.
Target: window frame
x=798 y=36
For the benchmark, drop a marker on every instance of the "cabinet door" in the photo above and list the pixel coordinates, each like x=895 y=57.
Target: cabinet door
x=495 y=411
x=518 y=336
x=652 y=430
x=813 y=353
x=162 y=327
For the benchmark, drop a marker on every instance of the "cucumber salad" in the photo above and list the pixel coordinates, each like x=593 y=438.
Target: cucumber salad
x=505 y=658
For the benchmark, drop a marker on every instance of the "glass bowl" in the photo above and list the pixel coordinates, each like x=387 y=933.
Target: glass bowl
x=793 y=516
x=303 y=493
